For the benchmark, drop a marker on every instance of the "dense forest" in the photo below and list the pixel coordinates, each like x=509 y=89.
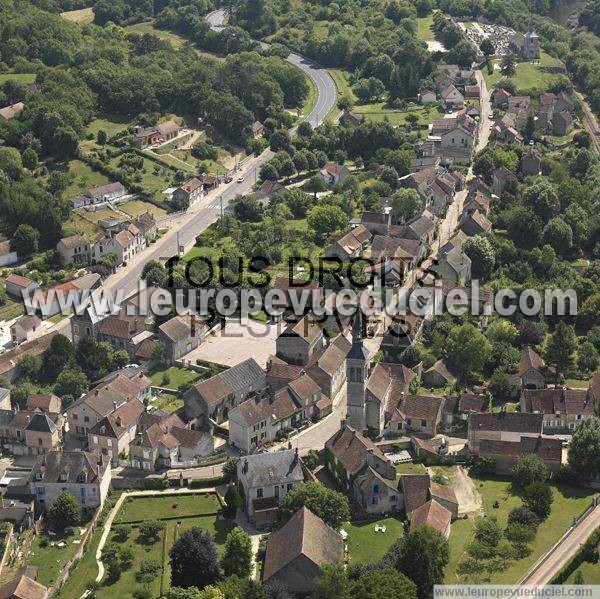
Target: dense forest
x=85 y=72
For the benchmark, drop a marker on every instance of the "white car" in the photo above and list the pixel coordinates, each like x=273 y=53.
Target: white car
x=491 y=115
x=240 y=179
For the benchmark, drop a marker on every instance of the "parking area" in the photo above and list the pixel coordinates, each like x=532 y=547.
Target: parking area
x=237 y=343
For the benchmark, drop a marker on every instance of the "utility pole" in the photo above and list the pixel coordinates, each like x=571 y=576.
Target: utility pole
x=221 y=198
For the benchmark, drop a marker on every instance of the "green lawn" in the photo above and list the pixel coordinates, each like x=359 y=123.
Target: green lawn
x=154 y=178
x=83 y=221
x=136 y=509
x=590 y=573
x=461 y=533
x=379 y=111
x=493 y=78
x=529 y=76
x=86 y=571
x=84 y=177
x=340 y=78
x=11 y=308
x=577 y=383
x=424 y=28
x=568 y=502
x=48 y=559
x=409 y=468
x=18 y=77
x=167 y=403
x=140 y=28
x=110 y=126
x=311 y=98
x=177 y=377
x=367 y=546
x=137 y=207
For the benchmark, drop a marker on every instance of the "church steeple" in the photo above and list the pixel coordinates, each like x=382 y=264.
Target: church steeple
x=357 y=373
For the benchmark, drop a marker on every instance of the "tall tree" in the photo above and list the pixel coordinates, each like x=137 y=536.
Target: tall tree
x=193 y=559
x=237 y=557
x=422 y=555
x=332 y=507
x=584 y=450
x=63 y=511
x=560 y=348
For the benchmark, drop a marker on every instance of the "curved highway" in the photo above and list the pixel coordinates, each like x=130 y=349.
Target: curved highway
x=326 y=90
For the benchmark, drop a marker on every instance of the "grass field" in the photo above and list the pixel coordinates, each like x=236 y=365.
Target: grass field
x=83 y=16
x=568 y=502
x=424 y=30
x=529 y=76
x=176 y=40
x=177 y=377
x=409 y=468
x=18 y=77
x=83 y=178
x=461 y=533
x=167 y=403
x=136 y=509
x=110 y=126
x=137 y=207
x=379 y=112
x=343 y=88
x=367 y=546
x=153 y=180
x=11 y=308
x=82 y=221
x=85 y=572
x=590 y=573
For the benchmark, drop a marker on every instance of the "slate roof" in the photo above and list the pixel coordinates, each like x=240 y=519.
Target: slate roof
x=432 y=513
x=304 y=534
x=72 y=464
x=271 y=468
x=40 y=423
x=510 y=422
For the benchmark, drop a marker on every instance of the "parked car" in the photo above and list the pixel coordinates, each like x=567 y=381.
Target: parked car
x=228 y=179
x=240 y=179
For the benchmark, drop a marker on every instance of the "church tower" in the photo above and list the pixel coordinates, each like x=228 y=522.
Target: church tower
x=357 y=373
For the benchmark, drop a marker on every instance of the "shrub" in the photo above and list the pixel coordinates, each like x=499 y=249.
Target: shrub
x=202 y=483
x=155 y=484
x=523 y=515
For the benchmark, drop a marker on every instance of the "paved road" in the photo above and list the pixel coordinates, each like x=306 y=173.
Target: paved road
x=326 y=90
x=559 y=555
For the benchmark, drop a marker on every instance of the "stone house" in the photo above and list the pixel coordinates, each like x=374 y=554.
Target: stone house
x=475 y=224
x=180 y=335
x=74 y=249
x=333 y=173
x=168 y=130
x=296 y=552
x=24 y=328
x=44 y=402
x=500 y=178
x=360 y=468
x=506 y=453
x=124 y=245
x=300 y=341
x=257 y=129
x=563 y=409
x=164 y=441
x=43 y=433
x=500 y=98
x=98 y=196
x=451 y=97
x=328 y=369
x=562 y=123
x=442 y=373
x=85 y=475
x=427 y=97
x=531 y=162
x=213 y=398
x=104 y=399
x=190 y=192
x=16 y=285
x=257 y=421
x=432 y=514
x=533 y=372
x=111 y=435
x=502 y=426
x=265 y=479
x=23 y=587
x=454 y=267
x=350 y=245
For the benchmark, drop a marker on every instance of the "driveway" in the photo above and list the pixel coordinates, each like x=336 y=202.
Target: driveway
x=238 y=342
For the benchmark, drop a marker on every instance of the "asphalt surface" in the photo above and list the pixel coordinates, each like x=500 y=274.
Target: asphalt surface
x=326 y=90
